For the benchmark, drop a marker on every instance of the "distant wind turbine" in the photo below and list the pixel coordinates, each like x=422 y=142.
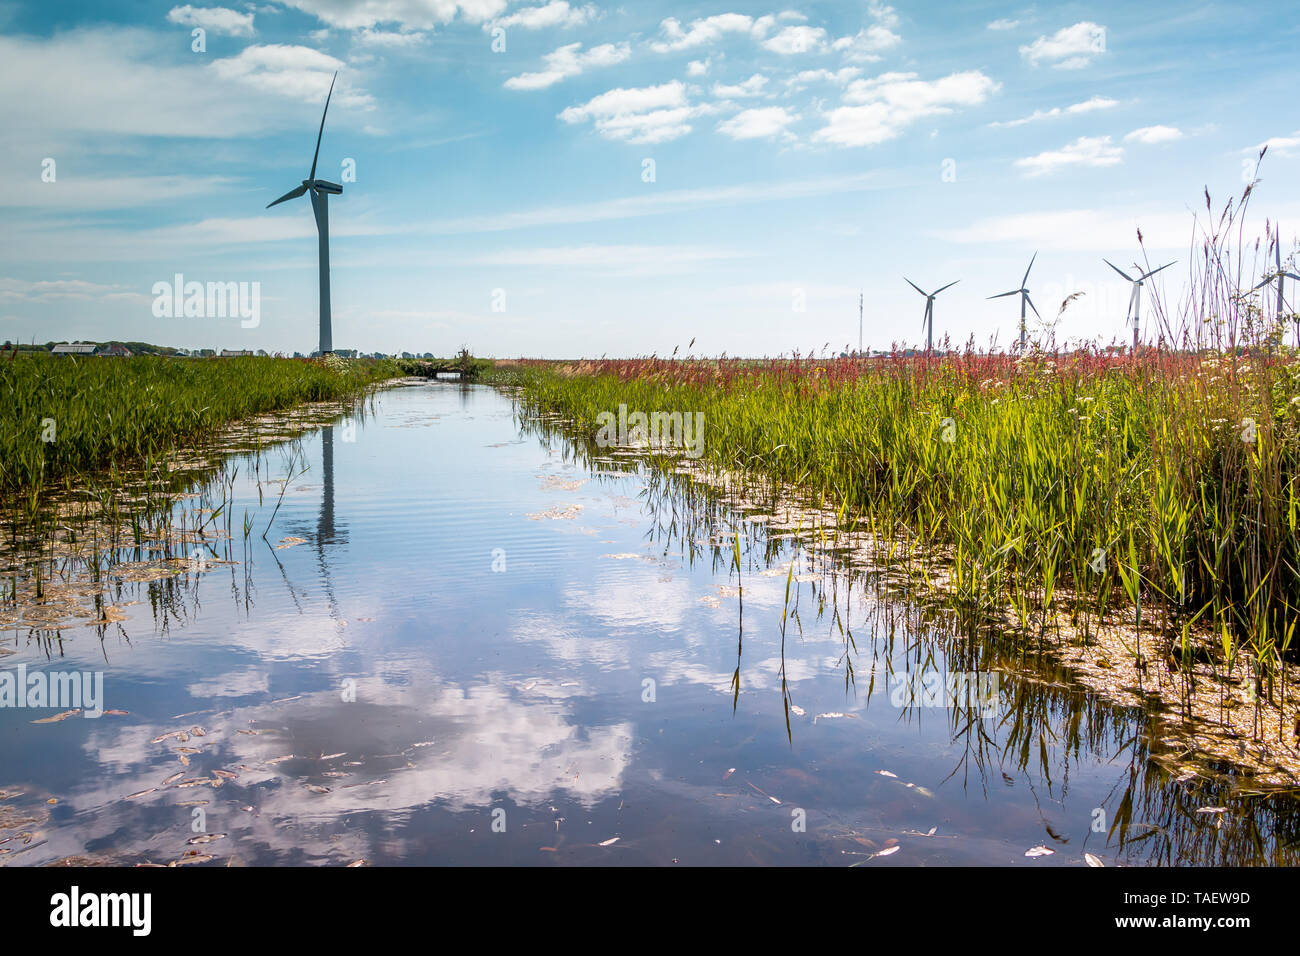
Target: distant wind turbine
x=320 y=193
x=1023 y=292
x=927 y=322
x=1279 y=275
x=1135 y=299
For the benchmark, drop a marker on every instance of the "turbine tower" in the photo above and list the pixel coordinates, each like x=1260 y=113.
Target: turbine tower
x=1135 y=299
x=927 y=322
x=1279 y=275
x=320 y=193
x=1023 y=292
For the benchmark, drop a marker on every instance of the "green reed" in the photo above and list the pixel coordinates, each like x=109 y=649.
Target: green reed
x=61 y=417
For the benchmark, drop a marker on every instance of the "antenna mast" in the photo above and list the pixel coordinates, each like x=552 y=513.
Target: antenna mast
x=859 y=323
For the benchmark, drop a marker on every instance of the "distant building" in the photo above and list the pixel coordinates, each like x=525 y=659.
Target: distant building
x=235 y=353
x=74 y=348
x=115 y=351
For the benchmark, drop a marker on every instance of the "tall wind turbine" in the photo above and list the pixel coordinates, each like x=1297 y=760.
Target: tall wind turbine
x=927 y=322
x=1280 y=275
x=320 y=193
x=1023 y=292
x=1135 y=299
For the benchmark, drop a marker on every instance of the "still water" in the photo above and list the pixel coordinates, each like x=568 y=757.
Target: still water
x=464 y=642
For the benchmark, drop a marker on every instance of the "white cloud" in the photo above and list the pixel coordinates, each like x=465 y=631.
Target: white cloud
x=569 y=61
x=751 y=87
x=51 y=290
x=796 y=39
x=408 y=14
x=1280 y=145
x=1087 y=106
x=391 y=40
x=763 y=123
x=213 y=19
x=697 y=67
x=1084 y=151
x=650 y=114
x=1004 y=24
x=867 y=45
x=1154 y=134
x=298 y=72
x=136 y=94
x=808 y=77
x=880 y=108
x=557 y=13
x=1069 y=48
x=707 y=30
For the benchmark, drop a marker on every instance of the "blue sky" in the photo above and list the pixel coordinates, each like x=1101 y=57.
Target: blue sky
x=503 y=198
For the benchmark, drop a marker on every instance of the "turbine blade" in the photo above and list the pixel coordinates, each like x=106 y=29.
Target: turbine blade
x=1003 y=295
x=316 y=155
x=1031 y=304
x=1154 y=271
x=1118 y=269
x=1291 y=275
x=291 y=194
x=948 y=286
x=912 y=284
x=1031 y=265
x=1266 y=282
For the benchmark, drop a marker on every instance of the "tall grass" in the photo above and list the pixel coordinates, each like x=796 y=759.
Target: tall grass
x=64 y=417
x=1161 y=486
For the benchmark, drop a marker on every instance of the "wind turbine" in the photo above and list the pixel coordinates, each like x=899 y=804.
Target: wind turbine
x=1280 y=275
x=320 y=193
x=927 y=322
x=1135 y=300
x=1024 y=300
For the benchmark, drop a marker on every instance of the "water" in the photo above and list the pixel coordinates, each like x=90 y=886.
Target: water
x=485 y=651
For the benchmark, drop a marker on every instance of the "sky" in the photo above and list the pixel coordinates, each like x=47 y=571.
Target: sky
x=562 y=179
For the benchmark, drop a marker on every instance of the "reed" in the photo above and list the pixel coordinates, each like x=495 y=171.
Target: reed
x=61 y=418
x=1061 y=485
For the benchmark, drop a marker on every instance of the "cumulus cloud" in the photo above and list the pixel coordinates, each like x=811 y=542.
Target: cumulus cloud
x=1004 y=24
x=557 y=13
x=707 y=30
x=1154 y=134
x=650 y=114
x=213 y=19
x=569 y=61
x=808 y=77
x=763 y=123
x=869 y=43
x=796 y=39
x=1084 y=151
x=1069 y=48
x=408 y=14
x=294 y=71
x=697 y=67
x=1087 y=106
x=880 y=108
x=750 y=87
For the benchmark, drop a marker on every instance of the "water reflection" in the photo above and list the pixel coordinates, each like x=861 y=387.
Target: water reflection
x=458 y=614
